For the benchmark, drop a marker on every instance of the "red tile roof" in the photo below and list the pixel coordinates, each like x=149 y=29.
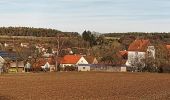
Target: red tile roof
x=139 y=45
x=168 y=47
x=70 y=59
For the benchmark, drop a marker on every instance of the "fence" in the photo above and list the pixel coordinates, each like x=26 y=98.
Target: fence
x=108 y=68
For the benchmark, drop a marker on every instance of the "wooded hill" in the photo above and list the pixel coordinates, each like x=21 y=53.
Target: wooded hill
x=138 y=34
x=164 y=37
x=38 y=32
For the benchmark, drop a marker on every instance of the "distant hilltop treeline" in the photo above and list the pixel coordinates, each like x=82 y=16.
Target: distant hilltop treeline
x=44 y=32
x=139 y=34
x=38 y=32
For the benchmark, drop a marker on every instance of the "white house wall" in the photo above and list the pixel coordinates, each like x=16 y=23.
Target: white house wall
x=151 y=51
x=82 y=61
x=123 y=69
x=95 y=61
x=83 y=67
x=2 y=60
x=133 y=56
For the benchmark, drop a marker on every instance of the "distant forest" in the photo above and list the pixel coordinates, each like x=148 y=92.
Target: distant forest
x=38 y=32
x=139 y=34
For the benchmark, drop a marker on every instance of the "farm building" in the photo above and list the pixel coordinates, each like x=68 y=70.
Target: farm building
x=44 y=64
x=137 y=53
x=9 y=60
x=76 y=61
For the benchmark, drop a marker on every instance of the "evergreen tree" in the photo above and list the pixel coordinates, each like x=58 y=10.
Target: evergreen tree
x=89 y=37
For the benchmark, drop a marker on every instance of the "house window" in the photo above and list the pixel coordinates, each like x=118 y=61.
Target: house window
x=84 y=67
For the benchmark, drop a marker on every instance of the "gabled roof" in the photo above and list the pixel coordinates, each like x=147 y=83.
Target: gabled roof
x=139 y=45
x=70 y=59
x=90 y=59
x=12 y=56
x=42 y=61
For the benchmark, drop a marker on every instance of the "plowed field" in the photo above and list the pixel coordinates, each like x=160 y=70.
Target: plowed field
x=85 y=86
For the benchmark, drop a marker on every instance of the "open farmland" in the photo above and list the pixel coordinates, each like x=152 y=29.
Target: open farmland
x=89 y=86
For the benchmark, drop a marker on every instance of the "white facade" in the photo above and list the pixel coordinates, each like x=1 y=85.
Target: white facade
x=95 y=61
x=123 y=69
x=151 y=51
x=28 y=65
x=83 y=65
x=2 y=61
x=83 y=68
x=48 y=66
x=135 y=57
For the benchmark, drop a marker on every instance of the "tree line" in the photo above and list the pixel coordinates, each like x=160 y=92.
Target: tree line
x=38 y=32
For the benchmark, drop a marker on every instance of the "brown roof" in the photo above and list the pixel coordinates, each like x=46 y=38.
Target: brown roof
x=42 y=61
x=139 y=45
x=90 y=59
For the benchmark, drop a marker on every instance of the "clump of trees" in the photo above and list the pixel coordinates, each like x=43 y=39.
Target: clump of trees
x=161 y=58
x=89 y=37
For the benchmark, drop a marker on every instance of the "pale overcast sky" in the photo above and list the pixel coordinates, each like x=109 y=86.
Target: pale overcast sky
x=95 y=15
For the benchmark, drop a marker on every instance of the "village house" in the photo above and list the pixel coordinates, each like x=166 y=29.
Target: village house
x=76 y=61
x=10 y=62
x=2 y=62
x=45 y=64
x=27 y=66
x=112 y=66
x=137 y=53
x=93 y=62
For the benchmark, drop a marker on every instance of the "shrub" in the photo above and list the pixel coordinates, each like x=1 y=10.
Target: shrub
x=70 y=68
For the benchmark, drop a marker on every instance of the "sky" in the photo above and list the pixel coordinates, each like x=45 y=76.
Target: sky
x=95 y=15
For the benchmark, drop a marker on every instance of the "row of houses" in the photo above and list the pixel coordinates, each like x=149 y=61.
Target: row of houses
x=138 y=51
x=79 y=62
